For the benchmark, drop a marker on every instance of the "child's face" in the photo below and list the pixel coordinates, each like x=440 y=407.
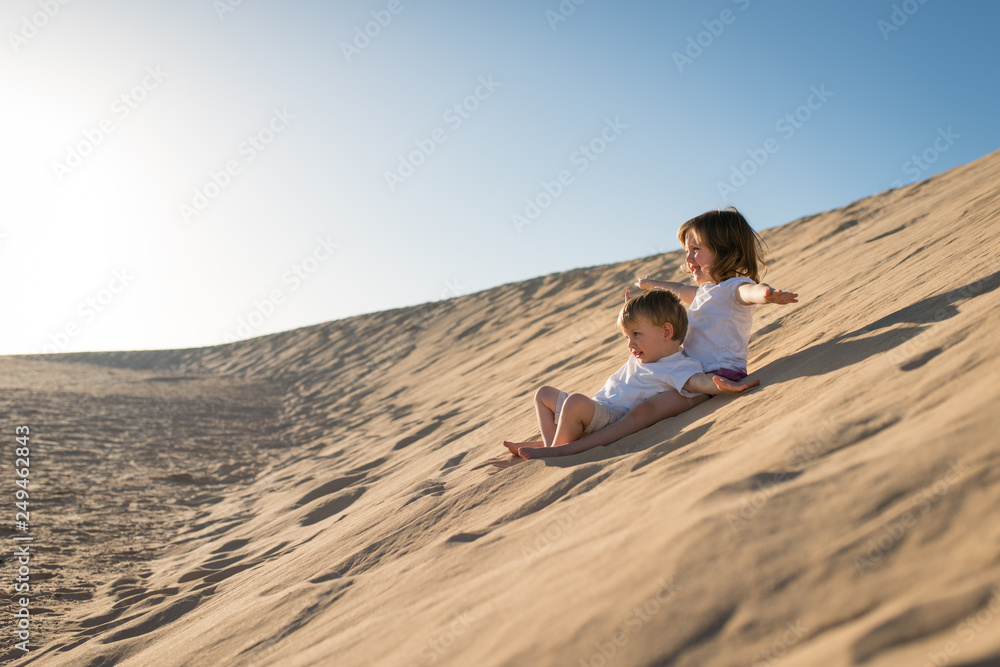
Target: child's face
x=648 y=342
x=699 y=258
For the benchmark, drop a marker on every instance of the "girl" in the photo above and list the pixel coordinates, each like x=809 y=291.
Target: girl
x=724 y=255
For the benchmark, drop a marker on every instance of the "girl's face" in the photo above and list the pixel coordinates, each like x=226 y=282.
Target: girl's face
x=699 y=258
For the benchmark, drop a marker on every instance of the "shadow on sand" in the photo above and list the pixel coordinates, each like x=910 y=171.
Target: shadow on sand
x=864 y=343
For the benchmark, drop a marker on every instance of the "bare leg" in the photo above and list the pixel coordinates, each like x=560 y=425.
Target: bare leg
x=647 y=413
x=576 y=414
x=545 y=410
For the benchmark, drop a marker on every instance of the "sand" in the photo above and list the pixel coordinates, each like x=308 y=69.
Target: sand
x=338 y=494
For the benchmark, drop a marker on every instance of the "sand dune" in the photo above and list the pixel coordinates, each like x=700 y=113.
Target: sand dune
x=330 y=496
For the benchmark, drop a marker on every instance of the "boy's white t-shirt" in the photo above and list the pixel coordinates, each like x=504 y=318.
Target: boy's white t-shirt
x=636 y=381
x=719 y=326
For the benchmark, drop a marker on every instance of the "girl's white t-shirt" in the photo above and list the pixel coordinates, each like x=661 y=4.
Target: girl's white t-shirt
x=719 y=326
x=635 y=381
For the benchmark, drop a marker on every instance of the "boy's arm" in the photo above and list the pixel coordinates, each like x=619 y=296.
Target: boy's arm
x=762 y=293
x=685 y=293
x=646 y=413
x=714 y=384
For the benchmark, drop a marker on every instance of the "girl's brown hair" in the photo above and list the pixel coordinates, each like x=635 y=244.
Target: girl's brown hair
x=739 y=251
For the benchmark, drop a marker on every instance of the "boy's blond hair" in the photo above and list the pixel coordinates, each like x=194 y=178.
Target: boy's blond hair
x=657 y=307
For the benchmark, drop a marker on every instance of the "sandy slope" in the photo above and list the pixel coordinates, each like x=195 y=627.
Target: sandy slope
x=319 y=497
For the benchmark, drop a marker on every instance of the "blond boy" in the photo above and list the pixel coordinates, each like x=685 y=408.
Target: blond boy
x=654 y=323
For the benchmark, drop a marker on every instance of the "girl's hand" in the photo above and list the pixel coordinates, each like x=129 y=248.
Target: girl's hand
x=779 y=297
x=644 y=283
x=727 y=386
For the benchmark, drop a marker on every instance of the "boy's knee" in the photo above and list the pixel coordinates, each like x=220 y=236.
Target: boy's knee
x=545 y=392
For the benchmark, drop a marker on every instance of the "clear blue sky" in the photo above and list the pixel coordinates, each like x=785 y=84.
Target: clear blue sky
x=183 y=173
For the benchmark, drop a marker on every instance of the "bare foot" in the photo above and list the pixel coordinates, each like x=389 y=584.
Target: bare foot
x=514 y=446
x=730 y=387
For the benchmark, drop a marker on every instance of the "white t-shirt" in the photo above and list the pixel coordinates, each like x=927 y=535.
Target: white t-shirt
x=719 y=326
x=636 y=381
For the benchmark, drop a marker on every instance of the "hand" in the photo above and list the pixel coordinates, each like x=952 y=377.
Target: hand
x=779 y=297
x=727 y=386
x=644 y=283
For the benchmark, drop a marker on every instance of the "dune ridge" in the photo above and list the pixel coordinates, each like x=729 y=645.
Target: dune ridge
x=338 y=493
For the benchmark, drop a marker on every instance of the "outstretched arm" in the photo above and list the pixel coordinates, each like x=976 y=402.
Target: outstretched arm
x=646 y=413
x=685 y=293
x=762 y=293
x=715 y=384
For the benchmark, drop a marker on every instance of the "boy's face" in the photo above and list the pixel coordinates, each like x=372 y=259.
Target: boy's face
x=648 y=342
x=699 y=258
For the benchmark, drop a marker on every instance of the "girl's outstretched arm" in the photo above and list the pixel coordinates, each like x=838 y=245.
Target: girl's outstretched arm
x=685 y=293
x=762 y=293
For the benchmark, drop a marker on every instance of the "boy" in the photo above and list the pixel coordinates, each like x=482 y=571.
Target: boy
x=655 y=324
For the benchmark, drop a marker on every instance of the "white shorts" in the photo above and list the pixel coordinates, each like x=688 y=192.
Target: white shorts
x=604 y=413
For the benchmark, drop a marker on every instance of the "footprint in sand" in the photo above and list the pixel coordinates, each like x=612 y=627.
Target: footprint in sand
x=333 y=486
x=333 y=506
x=428 y=488
x=453 y=461
x=463 y=538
